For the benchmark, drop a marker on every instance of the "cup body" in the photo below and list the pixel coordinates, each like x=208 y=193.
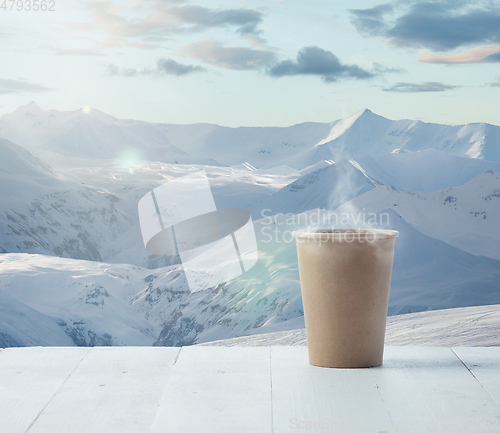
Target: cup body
x=345 y=278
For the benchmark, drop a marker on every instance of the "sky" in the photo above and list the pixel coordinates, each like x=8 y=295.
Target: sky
x=254 y=63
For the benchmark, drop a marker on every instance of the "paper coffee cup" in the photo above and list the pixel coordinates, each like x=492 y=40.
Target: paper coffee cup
x=345 y=277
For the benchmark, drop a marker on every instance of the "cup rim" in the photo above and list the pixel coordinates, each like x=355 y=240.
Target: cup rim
x=341 y=233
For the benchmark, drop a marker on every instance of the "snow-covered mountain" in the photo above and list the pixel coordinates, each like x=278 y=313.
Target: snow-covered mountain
x=24 y=177
x=326 y=187
x=427 y=273
x=90 y=212
x=42 y=212
x=102 y=303
x=93 y=134
x=465 y=216
x=70 y=202
x=368 y=134
x=425 y=170
x=88 y=302
x=21 y=325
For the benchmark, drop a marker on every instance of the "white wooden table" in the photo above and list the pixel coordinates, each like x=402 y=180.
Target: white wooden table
x=241 y=389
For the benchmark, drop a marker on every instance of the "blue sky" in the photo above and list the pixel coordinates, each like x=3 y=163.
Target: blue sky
x=255 y=63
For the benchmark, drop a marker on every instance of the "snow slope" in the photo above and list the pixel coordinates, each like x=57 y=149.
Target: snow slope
x=21 y=325
x=262 y=147
x=469 y=326
x=366 y=133
x=90 y=211
x=89 y=300
x=465 y=216
x=90 y=135
x=84 y=207
x=427 y=274
x=326 y=188
x=24 y=177
x=425 y=170
x=41 y=212
x=108 y=304
x=102 y=303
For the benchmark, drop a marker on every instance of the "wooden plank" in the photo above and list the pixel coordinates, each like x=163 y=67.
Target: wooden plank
x=484 y=364
x=114 y=389
x=29 y=378
x=429 y=389
x=217 y=389
x=308 y=398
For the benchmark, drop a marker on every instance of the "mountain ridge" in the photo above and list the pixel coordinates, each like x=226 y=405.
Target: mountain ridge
x=83 y=205
x=95 y=134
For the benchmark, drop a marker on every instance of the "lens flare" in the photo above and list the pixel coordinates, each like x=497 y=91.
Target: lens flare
x=86 y=109
x=130 y=159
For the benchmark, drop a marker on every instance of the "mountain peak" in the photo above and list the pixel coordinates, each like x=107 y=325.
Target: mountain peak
x=31 y=108
x=32 y=105
x=340 y=127
x=350 y=120
x=364 y=114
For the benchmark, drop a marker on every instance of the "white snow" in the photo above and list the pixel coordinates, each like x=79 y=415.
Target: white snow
x=465 y=216
x=75 y=263
x=98 y=135
x=124 y=304
x=21 y=325
x=326 y=187
x=469 y=326
x=425 y=170
x=89 y=300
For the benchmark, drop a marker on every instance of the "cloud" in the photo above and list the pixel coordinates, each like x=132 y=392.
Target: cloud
x=492 y=58
x=316 y=61
x=378 y=69
x=157 y=21
x=490 y=53
x=497 y=84
x=115 y=70
x=430 y=86
x=79 y=52
x=440 y=25
x=16 y=86
x=171 y=67
x=213 y=52
x=371 y=21
x=163 y=67
x=201 y=18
